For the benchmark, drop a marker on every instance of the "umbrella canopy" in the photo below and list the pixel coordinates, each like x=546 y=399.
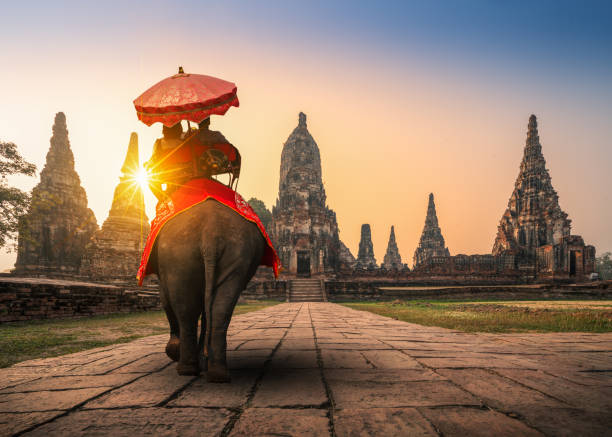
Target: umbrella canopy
x=185 y=96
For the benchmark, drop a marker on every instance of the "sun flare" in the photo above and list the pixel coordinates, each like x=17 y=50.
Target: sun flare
x=142 y=178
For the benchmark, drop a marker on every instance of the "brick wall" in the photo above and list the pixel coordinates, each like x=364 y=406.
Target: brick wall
x=34 y=298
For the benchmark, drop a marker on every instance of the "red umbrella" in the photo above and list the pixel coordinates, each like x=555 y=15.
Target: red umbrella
x=185 y=96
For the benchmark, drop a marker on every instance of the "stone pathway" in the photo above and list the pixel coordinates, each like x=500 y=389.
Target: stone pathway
x=311 y=369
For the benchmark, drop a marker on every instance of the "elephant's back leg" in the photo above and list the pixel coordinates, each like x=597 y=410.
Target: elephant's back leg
x=181 y=274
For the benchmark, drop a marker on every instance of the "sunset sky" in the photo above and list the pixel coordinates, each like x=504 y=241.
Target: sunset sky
x=403 y=98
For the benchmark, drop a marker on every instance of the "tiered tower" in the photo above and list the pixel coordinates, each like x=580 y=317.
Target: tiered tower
x=114 y=251
x=365 y=257
x=533 y=217
x=432 y=242
x=305 y=230
x=58 y=225
x=392 y=260
x=534 y=232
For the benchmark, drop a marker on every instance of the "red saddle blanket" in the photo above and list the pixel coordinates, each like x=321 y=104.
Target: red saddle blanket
x=190 y=194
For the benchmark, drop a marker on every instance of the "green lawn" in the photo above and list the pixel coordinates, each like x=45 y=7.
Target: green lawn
x=49 y=338
x=499 y=316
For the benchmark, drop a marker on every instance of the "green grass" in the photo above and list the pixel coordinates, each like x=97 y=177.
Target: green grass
x=50 y=338
x=496 y=317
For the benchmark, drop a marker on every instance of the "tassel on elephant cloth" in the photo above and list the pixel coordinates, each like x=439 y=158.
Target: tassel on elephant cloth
x=198 y=191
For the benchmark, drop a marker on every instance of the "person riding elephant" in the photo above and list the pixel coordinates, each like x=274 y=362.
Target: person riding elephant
x=179 y=157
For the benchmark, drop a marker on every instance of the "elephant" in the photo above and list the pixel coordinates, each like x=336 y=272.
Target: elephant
x=204 y=258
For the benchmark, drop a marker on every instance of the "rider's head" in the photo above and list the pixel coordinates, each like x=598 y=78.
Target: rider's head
x=204 y=124
x=173 y=132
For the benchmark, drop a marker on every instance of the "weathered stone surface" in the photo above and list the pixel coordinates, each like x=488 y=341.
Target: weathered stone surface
x=148 y=391
x=205 y=394
x=47 y=400
x=365 y=257
x=461 y=421
x=376 y=394
x=382 y=421
x=534 y=225
x=113 y=254
x=281 y=422
x=132 y=422
x=42 y=298
x=13 y=423
x=58 y=224
x=305 y=231
x=431 y=243
x=70 y=382
x=392 y=260
x=294 y=387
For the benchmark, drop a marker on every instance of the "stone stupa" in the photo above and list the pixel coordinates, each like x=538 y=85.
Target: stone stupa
x=365 y=257
x=431 y=243
x=392 y=259
x=58 y=225
x=113 y=254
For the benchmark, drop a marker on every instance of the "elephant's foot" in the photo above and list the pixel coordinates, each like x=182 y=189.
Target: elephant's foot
x=173 y=348
x=191 y=369
x=217 y=373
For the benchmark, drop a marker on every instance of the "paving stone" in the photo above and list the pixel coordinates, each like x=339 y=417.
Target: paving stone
x=460 y=362
x=588 y=398
x=355 y=394
x=47 y=400
x=391 y=360
x=344 y=359
x=282 y=422
x=250 y=359
x=267 y=345
x=136 y=422
x=476 y=422
x=497 y=391
x=204 y=394
x=13 y=423
x=147 y=364
x=566 y=422
x=382 y=375
x=296 y=387
x=381 y=421
x=71 y=382
x=294 y=359
x=147 y=391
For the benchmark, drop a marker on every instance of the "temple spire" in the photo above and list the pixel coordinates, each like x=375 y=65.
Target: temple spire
x=432 y=242
x=392 y=260
x=132 y=161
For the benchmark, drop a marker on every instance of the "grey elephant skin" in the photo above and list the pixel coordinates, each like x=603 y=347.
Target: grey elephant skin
x=204 y=257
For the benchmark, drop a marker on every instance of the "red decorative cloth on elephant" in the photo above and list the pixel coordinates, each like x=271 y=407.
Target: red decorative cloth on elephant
x=192 y=193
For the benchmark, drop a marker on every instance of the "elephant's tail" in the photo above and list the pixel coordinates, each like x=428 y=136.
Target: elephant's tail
x=210 y=264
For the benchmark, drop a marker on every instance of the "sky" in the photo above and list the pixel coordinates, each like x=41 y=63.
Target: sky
x=403 y=98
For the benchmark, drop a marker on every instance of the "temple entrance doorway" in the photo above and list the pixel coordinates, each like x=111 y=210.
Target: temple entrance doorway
x=303 y=263
x=572 y=262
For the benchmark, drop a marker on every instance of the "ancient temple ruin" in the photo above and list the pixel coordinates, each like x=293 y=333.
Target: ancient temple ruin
x=534 y=233
x=365 y=257
x=431 y=245
x=113 y=254
x=58 y=225
x=305 y=231
x=392 y=260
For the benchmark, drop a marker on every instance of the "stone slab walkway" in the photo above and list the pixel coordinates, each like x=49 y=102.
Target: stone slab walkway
x=318 y=369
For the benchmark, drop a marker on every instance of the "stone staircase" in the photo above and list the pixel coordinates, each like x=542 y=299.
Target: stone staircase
x=306 y=290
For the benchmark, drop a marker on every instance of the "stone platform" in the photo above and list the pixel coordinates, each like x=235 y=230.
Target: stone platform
x=310 y=369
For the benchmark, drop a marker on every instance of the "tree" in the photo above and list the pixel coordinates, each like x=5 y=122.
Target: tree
x=264 y=213
x=603 y=265
x=13 y=202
